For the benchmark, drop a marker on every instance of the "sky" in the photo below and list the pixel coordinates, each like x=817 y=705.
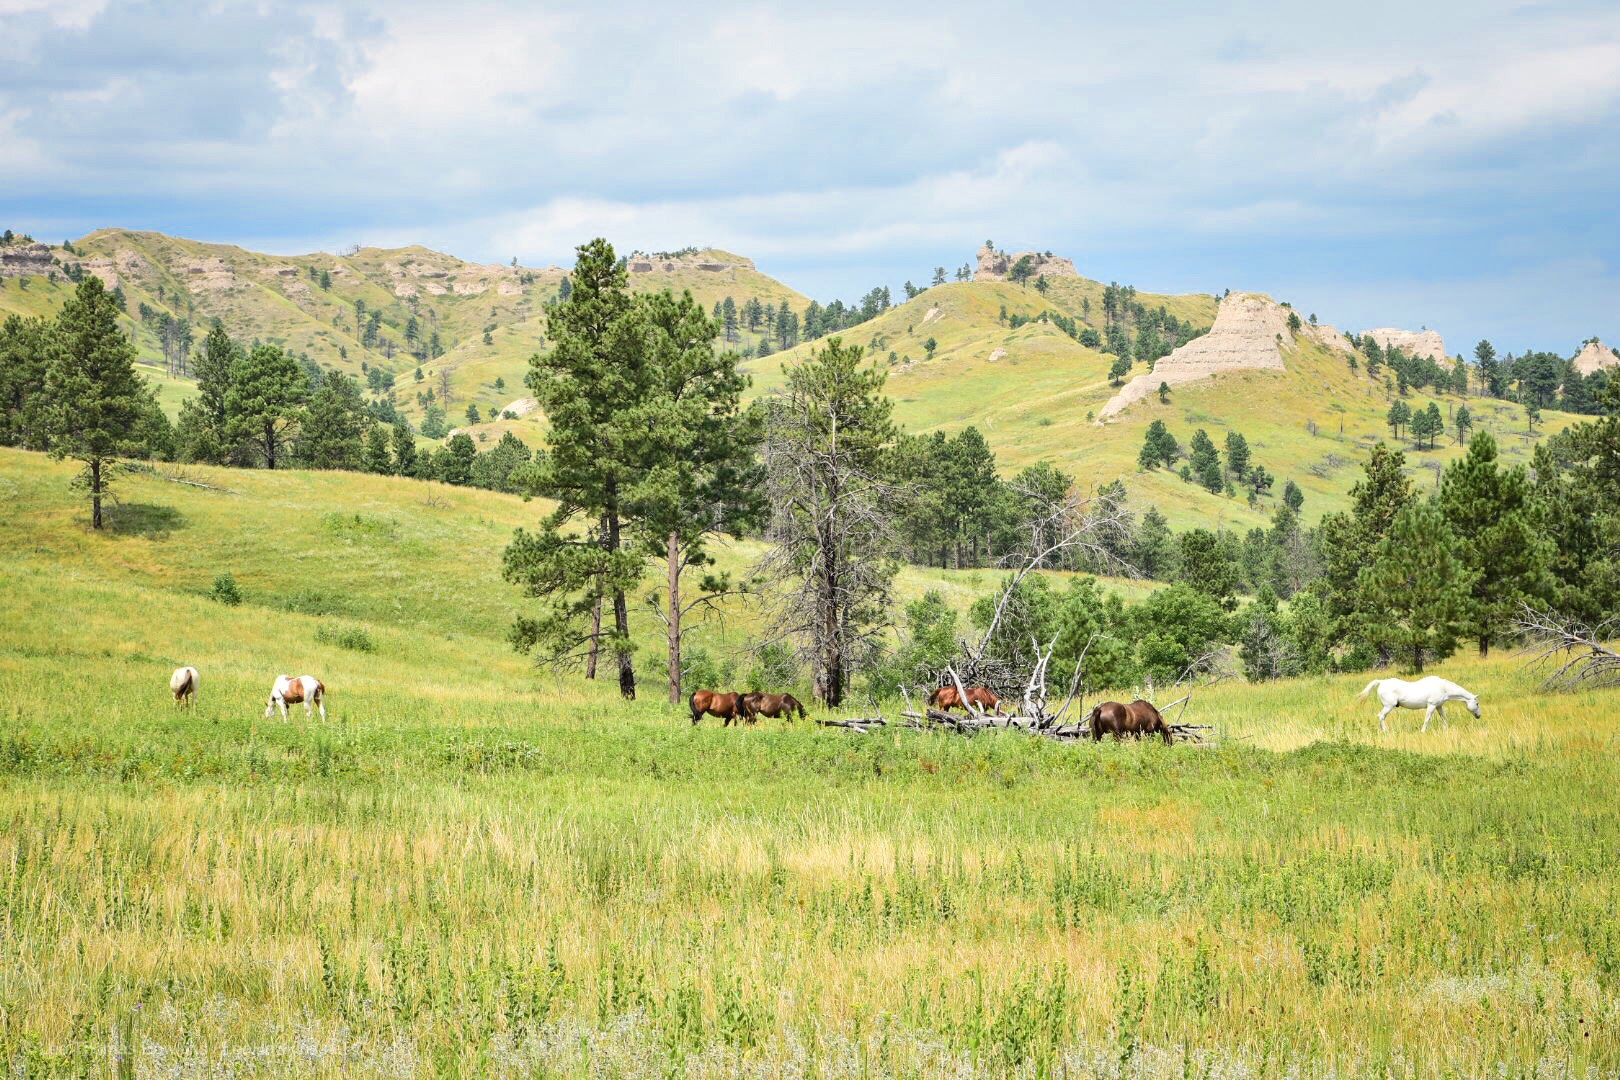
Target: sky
x=1449 y=165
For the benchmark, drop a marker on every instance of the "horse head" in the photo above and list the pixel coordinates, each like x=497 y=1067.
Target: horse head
x=1473 y=705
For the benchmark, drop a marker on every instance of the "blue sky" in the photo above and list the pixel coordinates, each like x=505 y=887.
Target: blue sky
x=1386 y=164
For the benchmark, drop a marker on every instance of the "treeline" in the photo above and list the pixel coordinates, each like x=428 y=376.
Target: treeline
x=256 y=406
x=1535 y=380
x=780 y=327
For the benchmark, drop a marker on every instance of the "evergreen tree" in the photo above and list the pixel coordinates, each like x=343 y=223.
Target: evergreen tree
x=1434 y=425
x=928 y=348
x=1399 y=415
x=377 y=457
x=1415 y=589
x=1465 y=423
x=473 y=415
x=404 y=446
x=1293 y=497
x=335 y=426
x=25 y=349
x=264 y=400
x=1120 y=368
x=1237 y=454
x=1154 y=551
x=1489 y=373
x=1207 y=566
x=95 y=403
x=1578 y=499
x=1260 y=480
x=592 y=385
x=1350 y=540
x=1499 y=537
x=1206 y=462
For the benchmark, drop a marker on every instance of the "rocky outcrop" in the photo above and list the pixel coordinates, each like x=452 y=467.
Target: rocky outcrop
x=1411 y=342
x=708 y=262
x=26 y=260
x=1327 y=337
x=1249 y=334
x=523 y=406
x=996 y=265
x=1595 y=356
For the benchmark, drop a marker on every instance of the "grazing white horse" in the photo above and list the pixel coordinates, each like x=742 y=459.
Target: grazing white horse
x=1431 y=693
x=183 y=684
x=291 y=689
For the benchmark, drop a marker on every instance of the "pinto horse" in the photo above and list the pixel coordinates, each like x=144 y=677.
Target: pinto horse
x=982 y=697
x=291 y=689
x=1431 y=693
x=772 y=705
x=183 y=685
x=728 y=707
x=1136 y=720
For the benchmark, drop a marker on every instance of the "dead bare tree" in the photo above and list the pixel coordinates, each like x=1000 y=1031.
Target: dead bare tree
x=832 y=513
x=1579 y=655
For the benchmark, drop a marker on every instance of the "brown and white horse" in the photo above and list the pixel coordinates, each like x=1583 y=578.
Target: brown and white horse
x=183 y=684
x=291 y=689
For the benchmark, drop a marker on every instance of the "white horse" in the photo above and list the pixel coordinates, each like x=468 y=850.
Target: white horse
x=183 y=684
x=1431 y=693
x=291 y=689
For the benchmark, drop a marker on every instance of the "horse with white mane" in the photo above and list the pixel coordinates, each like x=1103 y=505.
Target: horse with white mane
x=1430 y=693
x=183 y=684
x=291 y=689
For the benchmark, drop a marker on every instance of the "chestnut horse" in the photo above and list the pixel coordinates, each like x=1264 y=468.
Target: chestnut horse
x=1136 y=720
x=983 y=697
x=291 y=689
x=728 y=707
x=772 y=705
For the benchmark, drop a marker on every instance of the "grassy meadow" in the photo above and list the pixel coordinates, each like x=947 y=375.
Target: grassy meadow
x=475 y=868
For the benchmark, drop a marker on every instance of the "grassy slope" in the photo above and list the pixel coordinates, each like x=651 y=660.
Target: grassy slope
x=1033 y=402
x=475 y=869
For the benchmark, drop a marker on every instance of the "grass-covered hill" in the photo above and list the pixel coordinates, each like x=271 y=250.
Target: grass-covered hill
x=474 y=869
x=1033 y=389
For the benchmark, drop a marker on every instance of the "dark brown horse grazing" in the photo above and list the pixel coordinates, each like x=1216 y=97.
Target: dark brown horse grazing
x=1136 y=720
x=772 y=705
x=728 y=707
x=983 y=697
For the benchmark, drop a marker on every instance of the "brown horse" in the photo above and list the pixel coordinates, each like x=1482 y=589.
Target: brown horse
x=1136 y=720
x=772 y=705
x=983 y=697
x=728 y=707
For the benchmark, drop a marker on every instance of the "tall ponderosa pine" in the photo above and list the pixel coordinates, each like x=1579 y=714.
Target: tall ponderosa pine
x=265 y=399
x=25 y=349
x=594 y=386
x=699 y=476
x=96 y=404
x=201 y=431
x=333 y=435
x=1349 y=541
x=1578 y=495
x=829 y=434
x=1416 y=590
x=1498 y=537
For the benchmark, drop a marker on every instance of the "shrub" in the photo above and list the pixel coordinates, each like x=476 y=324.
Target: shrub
x=356 y=638
x=225 y=590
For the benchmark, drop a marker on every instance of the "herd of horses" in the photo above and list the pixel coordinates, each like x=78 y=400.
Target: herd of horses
x=1138 y=719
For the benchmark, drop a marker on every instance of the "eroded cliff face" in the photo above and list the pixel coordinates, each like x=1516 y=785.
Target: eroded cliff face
x=996 y=265
x=25 y=260
x=708 y=262
x=1249 y=334
x=1411 y=342
x=1595 y=356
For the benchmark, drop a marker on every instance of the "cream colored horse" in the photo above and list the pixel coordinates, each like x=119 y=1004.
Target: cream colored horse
x=183 y=684
x=1430 y=692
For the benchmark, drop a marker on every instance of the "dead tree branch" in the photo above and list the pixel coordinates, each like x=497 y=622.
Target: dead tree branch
x=1578 y=655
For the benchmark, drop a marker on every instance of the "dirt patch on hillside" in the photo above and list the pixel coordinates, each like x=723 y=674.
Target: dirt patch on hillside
x=1249 y=334
x=997 y=355
x=1411 y=342
x=523 y=406
x=209 y=275
x=933 y=313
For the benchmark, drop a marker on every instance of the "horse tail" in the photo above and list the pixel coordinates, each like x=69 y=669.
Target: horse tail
x=691 y=703
x=1368 y=689
x=798 y=705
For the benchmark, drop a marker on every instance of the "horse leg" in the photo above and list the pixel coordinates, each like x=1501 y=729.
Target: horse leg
x=320 y=703
x=1382 y=726
x=1428 y=713
x=1441 y=709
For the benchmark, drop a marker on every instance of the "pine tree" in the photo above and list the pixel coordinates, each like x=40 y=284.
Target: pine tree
x=1399 y=415
x=1206 y=462
x=1490 y=371
x=334 y=428
x=404 y=446
x=1237 y=454
x=1499 y=537
x=377 y=457
x=1293 y=497
x=25 y=350
x=265 y=398
x=95 y=403
x=591 y=385
x=1415 y=589
x=1350 y=540
x=1465 y=423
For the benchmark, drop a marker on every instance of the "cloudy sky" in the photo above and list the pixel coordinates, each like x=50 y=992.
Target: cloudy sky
x=1455 y=165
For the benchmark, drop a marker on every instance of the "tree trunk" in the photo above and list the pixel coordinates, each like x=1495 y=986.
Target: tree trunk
x=1484 y=645
x=1417 y=659
x=596 y=637
x=674 y=619
x=95 y=494
x=269 y=446
x=621 y=621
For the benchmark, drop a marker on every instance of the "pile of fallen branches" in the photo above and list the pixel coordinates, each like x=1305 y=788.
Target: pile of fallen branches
x=1578 y=655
